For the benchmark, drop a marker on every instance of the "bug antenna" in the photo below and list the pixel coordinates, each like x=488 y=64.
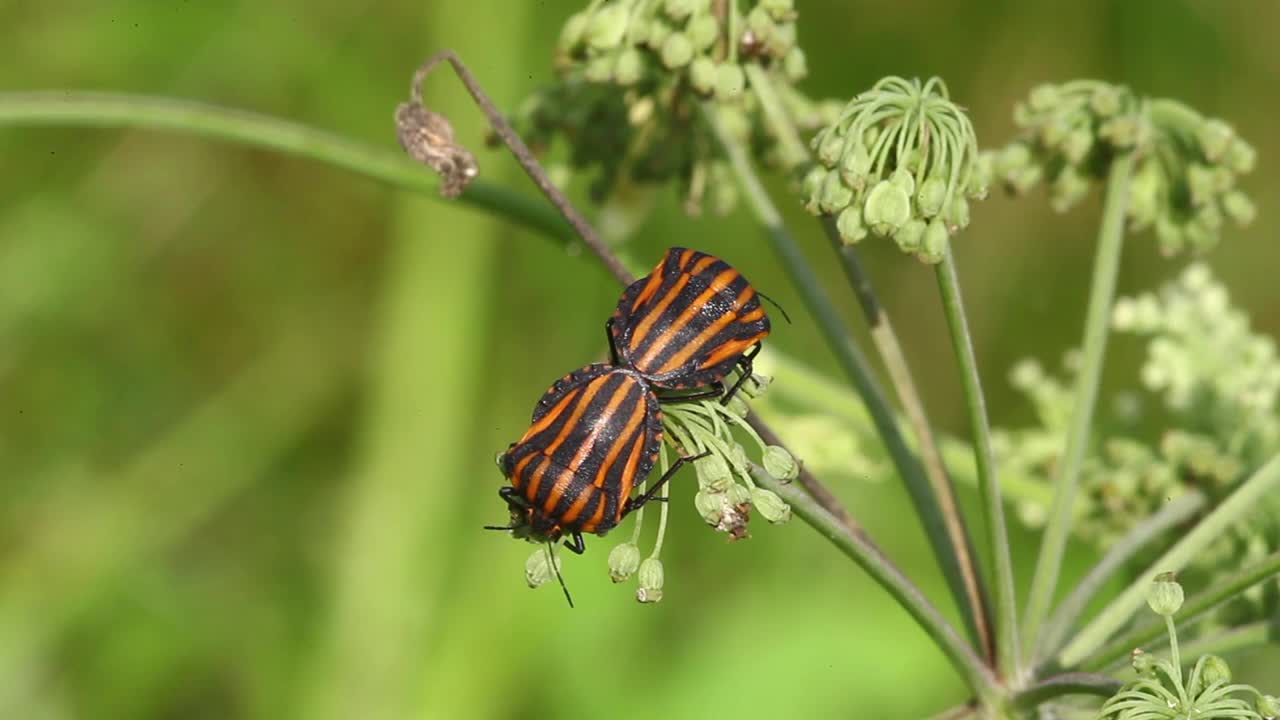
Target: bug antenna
x=499 y=527
x=775 y=304
x=551 y=557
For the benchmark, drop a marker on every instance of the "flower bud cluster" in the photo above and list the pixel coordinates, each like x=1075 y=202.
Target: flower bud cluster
x=1184 y=181
x=632 y=73
x=901 y=161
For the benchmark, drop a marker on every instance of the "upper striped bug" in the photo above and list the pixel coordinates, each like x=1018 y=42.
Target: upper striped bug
x=688 y=324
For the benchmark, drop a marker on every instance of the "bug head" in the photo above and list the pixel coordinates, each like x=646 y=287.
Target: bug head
x=527 y=522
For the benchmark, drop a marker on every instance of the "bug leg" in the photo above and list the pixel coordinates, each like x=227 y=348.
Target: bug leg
x=512 y=497
x=576 y=544
x=636 y=503
x=716 y=389
x=745 y=365
x=613 y=346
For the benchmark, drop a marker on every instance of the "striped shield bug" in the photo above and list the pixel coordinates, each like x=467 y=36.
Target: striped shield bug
x=596 y=435
x=688 y=324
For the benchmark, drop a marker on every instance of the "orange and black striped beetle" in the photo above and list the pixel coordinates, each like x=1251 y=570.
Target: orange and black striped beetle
x=596 y=435
x=688 y=324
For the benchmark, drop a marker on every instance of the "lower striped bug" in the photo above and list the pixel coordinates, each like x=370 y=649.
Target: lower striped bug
x=688 y=324
x=595 y=437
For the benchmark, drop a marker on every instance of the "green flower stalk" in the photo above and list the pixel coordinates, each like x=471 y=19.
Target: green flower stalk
x=1184 y=183
x=900 y=161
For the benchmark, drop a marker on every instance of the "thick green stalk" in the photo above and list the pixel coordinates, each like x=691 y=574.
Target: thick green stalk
x=1239 y=505
x=1143 y=533
x=1006 y=617
x=851 y=361
x=1195 y=607
x=1106 y=267
x=869 y=557
x=112 y=110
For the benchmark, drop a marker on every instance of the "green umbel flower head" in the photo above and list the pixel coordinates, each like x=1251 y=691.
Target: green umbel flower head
x=901 y=161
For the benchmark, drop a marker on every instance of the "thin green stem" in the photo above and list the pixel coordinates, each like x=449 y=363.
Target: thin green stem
x=1065 y=684
x=1006 y=617
x=1192 y=610
x=1239 y=505
x=1106 y=267
x=111 y=110
x=976 y=675
x=1175 y=513
x=853 y=363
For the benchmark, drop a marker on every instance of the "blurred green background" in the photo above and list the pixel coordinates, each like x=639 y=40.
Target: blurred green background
x=249 y=405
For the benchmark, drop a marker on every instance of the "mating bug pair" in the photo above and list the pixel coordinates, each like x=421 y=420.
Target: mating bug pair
x=597 y=431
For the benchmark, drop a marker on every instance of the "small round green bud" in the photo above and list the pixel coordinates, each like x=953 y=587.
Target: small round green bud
x=903 y=179
x=830 y=146
x=657 y=35
x=538 y=570
x=1055 y=132
x=714 y=474
x=1012 y=159
x=703 y=31
x=770 y=505
x=624 y=560
x=1143 y=663
x=1241 y=156
x=1023 y=180
x=607 y=25
x=1215 y=670
x=756 y=386
x=810 y=185
x=629 y=68
x=1122 y=131
x=573 y=31
x=835 y=195
x=730 y=81
x=850 y=224
x=957 y=213
x=1214 y=137
x=1077 y=144
x=679 y=9
x=737 y=496
x=710 y=505
x=910 y=237
x=677 y=51
x=779 y=9
x=1069 y=188
x=702 y=74
x=1269 y=707
x=936 y=237
x=759 y=22
x=1144 y=195
x=795 y=65
x=933 y=191
x=1105 y=101
x=1165 y=595
x=1044 y=97
x=855 y=166
x=1202 y=183
x=779 y=463
x=980 y=180
x=638 y=30
x=599 y=69
x=650 y=576
x=738 y=406
x=1239 y=207
x=888 y=207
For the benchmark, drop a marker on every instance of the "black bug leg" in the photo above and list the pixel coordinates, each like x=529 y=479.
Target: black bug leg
x=636 y=503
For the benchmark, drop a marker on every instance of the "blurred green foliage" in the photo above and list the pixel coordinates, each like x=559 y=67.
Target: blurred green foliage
x=249 y=406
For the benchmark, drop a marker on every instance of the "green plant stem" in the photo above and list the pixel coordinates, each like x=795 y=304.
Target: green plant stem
x=1006 y=617
x=1239 y=505
x=1192 y=610
x=111 y=110
x=1106 y=268
x=976 y=675
x=1065 y=684
x=973 y=600
x=856 y=368
x=1174 y=513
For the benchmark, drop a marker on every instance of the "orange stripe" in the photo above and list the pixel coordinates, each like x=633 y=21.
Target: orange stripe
x=652 y=316
x=700 y=266
x=550 y=418
x=728 y=350
x=575 y=509
x=585 y=399
x=685 y=257
x=720 y=283
x=629 y=471
x=599 y=424
x=698 y=343
x=535 y=479
x=753 y=315
x=563 y=480
x=651 y=287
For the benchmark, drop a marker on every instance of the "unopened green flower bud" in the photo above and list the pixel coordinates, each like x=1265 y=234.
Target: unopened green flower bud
x=1144 y=195
x=1022 y=181
x=1241 y=156
x=574 y=29
x=624 y=559
x=1143 y=663
x=710 y=505
x=607 y=26
x=538 y=570
x=830 y=146
x=956 y=213
x=757 y=385
x=703 y=31
x=936 y=237
x=1214 y=137
x=1122 y=131
x=779 y=9
x=702 y=74
x=910 y=237
x=638 y=30
x=1055 y=132
x=657 y=35
x=1269 y=707
x=650 y=576
x=1013 y=159
x=795 y=65
x=835 y=195
x=713 y=473
x=933 y=191
x=770 y=505
x=1044 y=97
x=983 y=172
x=677 y=51
x=599 y=69
x=1201 y=181
x=1077 y=144
x=812 y=181
x=850 y=225
x=855 y=166
x=904 y=179
x=1215 y=670
x=760 y=23
x=1165 y=595
x=679 y=9
x=888 y=207
x=1105 y=101
x=738 y=406
x=1069 y=188
x=737 y=496
x=1239 y=207
x=779 y=463
x=730 y=81
x=629 y=68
